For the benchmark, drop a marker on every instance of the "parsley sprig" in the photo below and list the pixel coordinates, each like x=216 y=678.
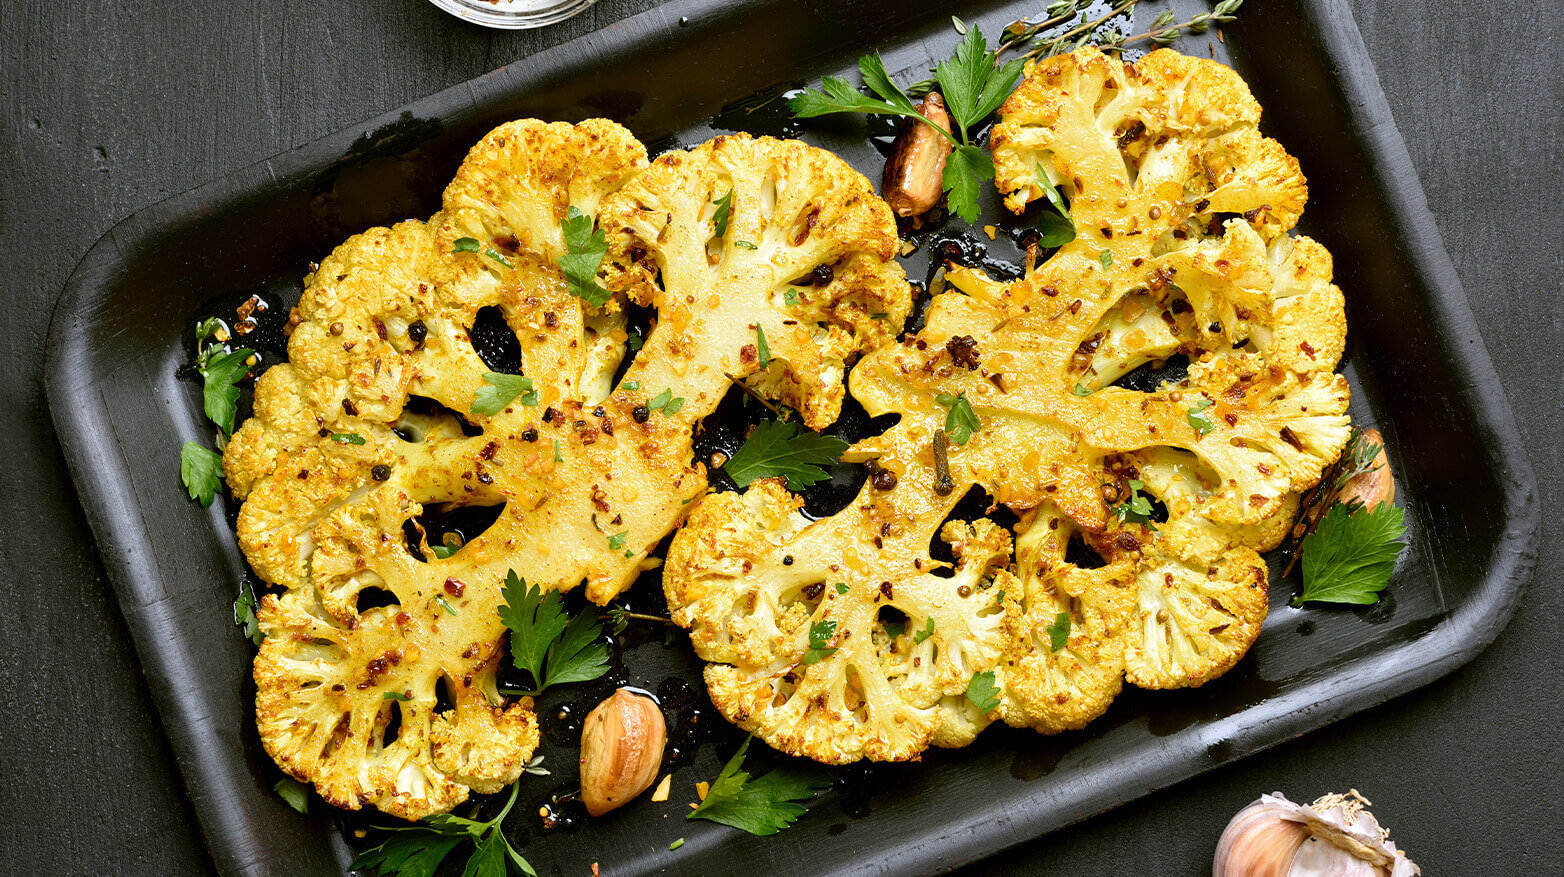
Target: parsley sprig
x=553 y=647
x=778 y=447
x=418 y=850
x=983 y=692
x=820 y=635
x=221 y=371
x=974 y=83
x=1350 y=556
x=761 y=806
x=1137 y=508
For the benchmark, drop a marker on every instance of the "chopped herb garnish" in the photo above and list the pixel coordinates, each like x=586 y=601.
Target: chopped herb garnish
x=442 y=552
x=746 y=245
x=244 y=613
x=982 y=691
x=585 y=248
x=1137 y=509
x=841 y=587
x=1199 y=420
x=894 y=629
x=779 y=448
x=617 y=541
x=666 y=402
x=763 y=348
x=559 y=457
x=820 y=634
x=445 y=604
x=790 y=297
x=396 y=696
x=553 y=648
x=960 y=421
x=473 y=245
x=1106 y=258
x=1059 y=632
x=762 y=806
x=724 y=210
x=1081 y=390
x=925 y=633
x=347 y=438
x=499 y=390
x=201 y=470
x=676 y=844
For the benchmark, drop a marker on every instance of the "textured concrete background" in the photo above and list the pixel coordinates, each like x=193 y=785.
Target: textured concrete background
x=104 y=110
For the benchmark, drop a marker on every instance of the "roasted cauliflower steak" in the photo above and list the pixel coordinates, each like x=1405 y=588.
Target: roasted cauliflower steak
x=1182 y=212
x=372 y=420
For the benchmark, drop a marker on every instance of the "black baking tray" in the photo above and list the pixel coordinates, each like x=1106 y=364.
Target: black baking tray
x=1417 y=366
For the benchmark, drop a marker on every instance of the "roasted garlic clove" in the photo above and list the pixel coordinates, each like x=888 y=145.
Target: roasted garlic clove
x=914 y=175
x=621 y=750
x=1374 y=488
x=1333 y=837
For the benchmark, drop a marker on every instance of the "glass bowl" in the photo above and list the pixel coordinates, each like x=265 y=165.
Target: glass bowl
x=513 y=14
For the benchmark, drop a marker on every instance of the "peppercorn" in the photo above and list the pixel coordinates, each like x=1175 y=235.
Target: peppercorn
x=641 y=413
x=381 y=472
x=417 y=332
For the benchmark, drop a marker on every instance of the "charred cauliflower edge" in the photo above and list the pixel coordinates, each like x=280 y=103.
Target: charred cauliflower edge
x=387 y=317
x=1182 y=210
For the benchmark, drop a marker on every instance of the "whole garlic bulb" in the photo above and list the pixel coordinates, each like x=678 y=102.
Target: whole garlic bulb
x=1333 y=837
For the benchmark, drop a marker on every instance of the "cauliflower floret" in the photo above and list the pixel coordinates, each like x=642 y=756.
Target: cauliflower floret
x=1181 y=210
x=805 y=258
x=905 y=637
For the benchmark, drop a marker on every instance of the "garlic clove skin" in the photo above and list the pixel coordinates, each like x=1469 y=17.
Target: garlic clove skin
x=622 y=744
x=1334 y=837
x=1257 y=843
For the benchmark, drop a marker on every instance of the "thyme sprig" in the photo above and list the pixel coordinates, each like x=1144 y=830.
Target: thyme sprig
x=1165 y=28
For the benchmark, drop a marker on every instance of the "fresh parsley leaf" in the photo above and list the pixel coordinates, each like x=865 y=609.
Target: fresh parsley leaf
x=1106 y=258
x=762 y=346
x=293 y=792
x=925 y=633
x=972 y=84
x=617 y=541
x=666 y=402
x=872 y=69
x=761 y=806
x=724 y=212
x=982 y=691
x=1059 y=632
x=966 y=169
x=244 y=613
x=632 y=385
x=780 y=448
x=220 y=391
x=418 y=850
x=1199 y=420
x=820 y=634
x=837 y=95
x=465 y=245
x=1081 y=390
x=347 y=438
x=841 y=587
x=554 y=649
x=1350 y=556
x=445 y=604
x=960 y=421
x=397 y=696
x=1052 y=193
x=585 y=248
x=634 y=342
x=499 y=390
x=790 y=297
x=443 y=552
x=1137 y=509
x=1054 y=230
x=201 y=470
x=745 y=245
x=894 y=629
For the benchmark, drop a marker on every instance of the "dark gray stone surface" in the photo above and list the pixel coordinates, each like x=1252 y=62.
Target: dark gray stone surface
x=105 y=109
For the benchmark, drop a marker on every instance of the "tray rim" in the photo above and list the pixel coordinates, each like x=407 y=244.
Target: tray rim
x=1470 y=627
